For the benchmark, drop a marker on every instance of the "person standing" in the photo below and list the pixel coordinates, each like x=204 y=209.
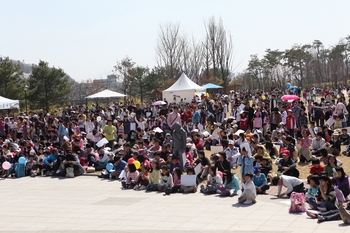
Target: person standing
x=179 y=140
x=174 y=117
x=291 y=123
x=109 y=130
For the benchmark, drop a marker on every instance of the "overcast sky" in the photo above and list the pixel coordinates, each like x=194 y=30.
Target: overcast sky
x=86 y=38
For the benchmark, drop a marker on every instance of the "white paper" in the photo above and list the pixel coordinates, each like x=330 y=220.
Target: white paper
x=205 y=134
x=90 y=136
x=198 y=169
x=102 y=142
x=132 y=126
x=121 y=141
x=330 y=121
x=66 y=138
x=188 y=180
x=216 y=149
x=183 y=159
x=241 y=106
x=200 y=127
x=122 y=175
x=278 y=149
x=312 y=133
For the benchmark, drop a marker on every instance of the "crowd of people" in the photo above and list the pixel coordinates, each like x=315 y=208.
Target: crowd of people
x=150 y=147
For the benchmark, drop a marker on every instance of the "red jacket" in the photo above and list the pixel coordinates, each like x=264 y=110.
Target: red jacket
x=244 y=123
x=291 y=122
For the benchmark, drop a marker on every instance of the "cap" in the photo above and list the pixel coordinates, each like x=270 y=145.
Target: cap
x=286 y=153
x=231 y=142
x=256 y=169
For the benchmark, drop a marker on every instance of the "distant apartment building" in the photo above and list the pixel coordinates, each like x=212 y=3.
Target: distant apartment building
x=109 y=82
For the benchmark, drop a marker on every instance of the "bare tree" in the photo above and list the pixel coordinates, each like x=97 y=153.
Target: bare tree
x=224 y=54
x=196 y=61
x=169 y=49
x=211 y=29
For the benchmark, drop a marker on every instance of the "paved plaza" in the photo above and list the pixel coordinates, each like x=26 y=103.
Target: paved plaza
x=89 y=204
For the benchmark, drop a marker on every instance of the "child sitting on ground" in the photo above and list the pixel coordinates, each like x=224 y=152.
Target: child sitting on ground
x=31 y=166
x=316 y=167
x=314 y=183
x=166 y=180
x=265 y=166
x=154 y=177
x=344 y=137
x=131 y=176
x=231 y=185
x=248 y=195
x=214 y=179
x=260 y=181
x=142 y=180
x=177 y=180
x=174 y=164
x=188 y=189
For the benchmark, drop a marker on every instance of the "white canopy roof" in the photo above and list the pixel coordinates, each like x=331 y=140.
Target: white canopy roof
x=184 y=83
x=6 y=103
x=105 y=94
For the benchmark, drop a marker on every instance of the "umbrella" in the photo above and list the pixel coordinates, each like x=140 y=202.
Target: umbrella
x=211 y=86
x=177 y=96
x=290 y=98
x=159 y=102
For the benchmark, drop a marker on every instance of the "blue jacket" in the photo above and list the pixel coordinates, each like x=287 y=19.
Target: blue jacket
x=63 y=131
x=246 y=164
x=50 y=159
x=120 y=166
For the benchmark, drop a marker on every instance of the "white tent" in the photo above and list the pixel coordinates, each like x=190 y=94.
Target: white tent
x=183 y=88
x=105 y=94
x=8 y=103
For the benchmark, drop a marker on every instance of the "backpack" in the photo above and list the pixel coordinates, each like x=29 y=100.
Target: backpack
x=297 y=203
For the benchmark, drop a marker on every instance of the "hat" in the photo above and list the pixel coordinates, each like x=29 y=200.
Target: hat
x=256 y=169
x=235 y=126
x=336 y=133
x=188 y=139
x=231 y=142
x=286 y=153
x=168 y=134
x=289 y=110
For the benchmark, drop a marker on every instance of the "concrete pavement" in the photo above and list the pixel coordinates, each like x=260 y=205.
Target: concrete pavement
x=89 y=204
